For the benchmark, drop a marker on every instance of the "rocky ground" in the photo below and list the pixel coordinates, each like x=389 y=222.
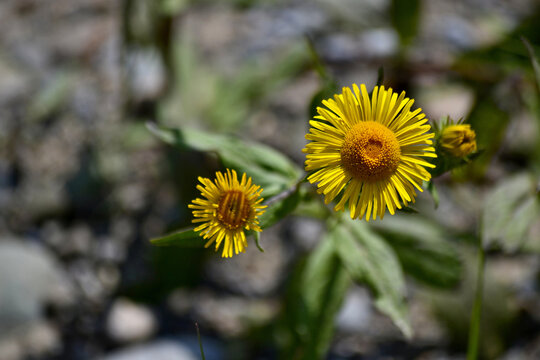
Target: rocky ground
x=83 y=185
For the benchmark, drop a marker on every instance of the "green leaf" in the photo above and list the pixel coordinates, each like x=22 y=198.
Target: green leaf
x=184 y=238
x=279 y=207
x=328 y=90
x=405 y=16
x=422 y=250
x=370 y=261
x=270 y=169
x=311 y=206
x=434 y=193
x=534 y=61
x=491 y=121
x=172 y=7
x=323 y=288
x=509 y=210
x=51 y=98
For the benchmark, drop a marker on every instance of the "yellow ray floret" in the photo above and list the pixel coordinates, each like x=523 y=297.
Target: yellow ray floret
x=228 y=208
x=367 y=152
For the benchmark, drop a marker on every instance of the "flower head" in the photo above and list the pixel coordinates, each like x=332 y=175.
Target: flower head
x=367 y=153
x=229 y=207
x=458 y=140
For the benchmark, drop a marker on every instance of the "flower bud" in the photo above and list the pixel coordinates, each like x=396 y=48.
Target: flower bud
x=458 y=140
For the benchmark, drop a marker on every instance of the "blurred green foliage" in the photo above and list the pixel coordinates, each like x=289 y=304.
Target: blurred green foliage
x=405 y=17
x=224 y=101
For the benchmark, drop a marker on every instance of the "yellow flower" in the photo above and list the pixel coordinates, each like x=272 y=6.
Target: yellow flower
x=366 y=153
x=228 y=207
x=458 y=140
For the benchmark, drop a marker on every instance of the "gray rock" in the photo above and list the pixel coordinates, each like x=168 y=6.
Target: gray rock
x=29 y=277
x=130 y=322
x=146 y=74
x=306 y=232
x=11 y=349
x=355 y=313
x=252 y=272
x=341 y=47
x=84 y=274
x=15 y=83
x=38 y=339
x=162 y=350
x=380 y=42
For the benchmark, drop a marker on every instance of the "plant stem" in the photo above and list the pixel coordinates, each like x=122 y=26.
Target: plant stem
x=200 y=342
x=476 y=314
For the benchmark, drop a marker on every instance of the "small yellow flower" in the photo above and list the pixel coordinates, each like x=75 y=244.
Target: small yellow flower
x=229 y=207
x=458 y=140
x=367 y=153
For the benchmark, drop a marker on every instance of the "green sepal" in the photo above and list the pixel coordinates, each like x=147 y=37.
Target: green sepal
x=408 y=210
x=257 y=238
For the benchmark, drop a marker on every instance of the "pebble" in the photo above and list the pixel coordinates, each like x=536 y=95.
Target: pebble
x=252 y=272
x=29 y=278
x=355 y=313
x=130 y=322
x=162 y=350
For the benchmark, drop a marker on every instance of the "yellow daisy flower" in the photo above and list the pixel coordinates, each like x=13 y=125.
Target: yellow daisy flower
x=228 y=207
x=458 y=140
x=367 y=153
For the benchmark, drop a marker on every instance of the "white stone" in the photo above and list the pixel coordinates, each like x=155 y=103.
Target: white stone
x=130 y=322
x=355 y=313
x=29 y=277
x=162 y=350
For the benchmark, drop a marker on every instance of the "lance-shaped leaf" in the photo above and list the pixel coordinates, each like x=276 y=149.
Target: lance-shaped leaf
x=422 y=250
x=371 y=261
x=269 y=168
x=324 y=284
x=184 y=238
x=509 y=210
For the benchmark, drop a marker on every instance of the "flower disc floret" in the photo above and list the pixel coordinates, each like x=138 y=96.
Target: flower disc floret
x=233 y=209
x=370 y=152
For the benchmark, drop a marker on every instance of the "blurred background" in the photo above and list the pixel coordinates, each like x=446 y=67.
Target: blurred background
x=84 y=185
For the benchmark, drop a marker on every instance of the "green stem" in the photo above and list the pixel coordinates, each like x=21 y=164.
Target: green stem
x=317 y=63
x=200 y=342
x=476 y=314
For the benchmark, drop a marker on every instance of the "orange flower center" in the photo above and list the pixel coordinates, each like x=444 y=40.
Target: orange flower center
x=370 y=152
x=233 y=209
